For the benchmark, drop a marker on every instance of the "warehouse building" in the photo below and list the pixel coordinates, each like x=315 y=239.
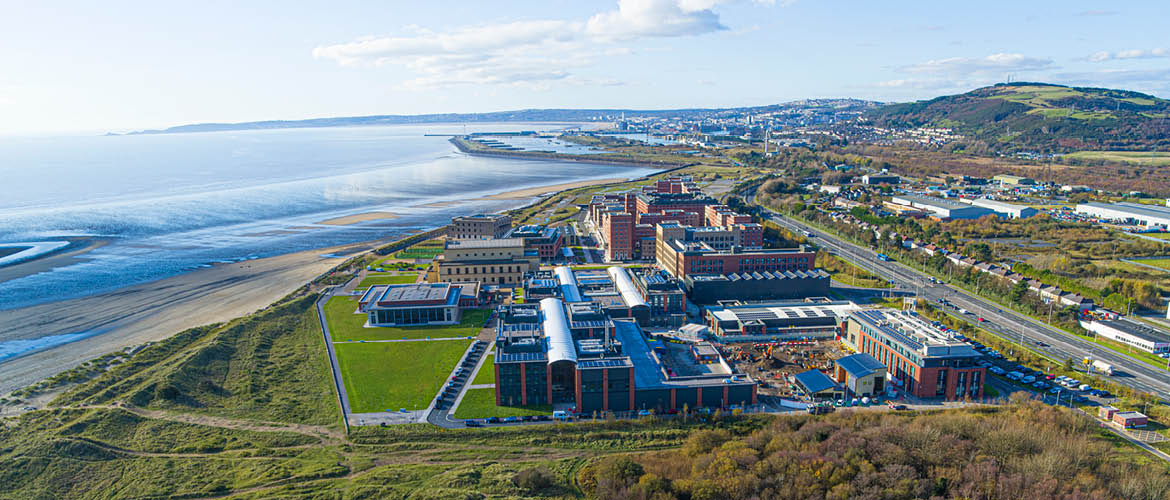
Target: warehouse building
x=1127 y=213
x=921 y=359
x=1013 y=180
x=1130 y=333
x=756 y=285
x=747 y=321
x=861 y=375
x=574 y=357
x=818 y=386
x=940 y=208
x=1005 y=210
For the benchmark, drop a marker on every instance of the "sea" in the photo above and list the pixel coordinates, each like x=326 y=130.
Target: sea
x=174 y=203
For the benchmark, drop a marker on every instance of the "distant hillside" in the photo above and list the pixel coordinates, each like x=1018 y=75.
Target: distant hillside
x=1042 y=117
x=526 y=115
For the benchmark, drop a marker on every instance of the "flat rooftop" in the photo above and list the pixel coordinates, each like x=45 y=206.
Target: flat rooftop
x=1138 y=330
x=784 y=310
x=492 y=243
x=648 y=373
x=933 y=201
x=914 y=333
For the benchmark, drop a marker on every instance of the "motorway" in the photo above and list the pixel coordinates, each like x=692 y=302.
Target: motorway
x=1007 y=324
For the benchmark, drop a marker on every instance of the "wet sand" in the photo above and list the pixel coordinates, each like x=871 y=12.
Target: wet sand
x=71 y=254
x=156 y=310
x=521 y=194
x=356 y=218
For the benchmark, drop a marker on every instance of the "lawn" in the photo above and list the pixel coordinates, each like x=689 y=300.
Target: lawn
x=383 y=376
x=487 y=371
x=481 y=403
x=387 y=279
x=1162 y=263
x=1160 y=236
x=345 y=325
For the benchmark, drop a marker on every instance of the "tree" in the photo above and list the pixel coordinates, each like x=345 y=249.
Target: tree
x=1018 y=291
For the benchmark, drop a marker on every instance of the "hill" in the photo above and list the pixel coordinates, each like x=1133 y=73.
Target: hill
x=1041 y=117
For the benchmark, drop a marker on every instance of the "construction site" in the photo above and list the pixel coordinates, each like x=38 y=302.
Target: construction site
x=774 y=363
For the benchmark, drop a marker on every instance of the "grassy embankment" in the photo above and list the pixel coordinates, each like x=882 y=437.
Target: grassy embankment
x=481 y=403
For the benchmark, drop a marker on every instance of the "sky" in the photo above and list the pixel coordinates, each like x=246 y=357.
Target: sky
x=117 y=65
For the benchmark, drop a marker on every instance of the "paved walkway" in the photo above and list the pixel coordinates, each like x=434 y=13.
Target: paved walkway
x=338 y=384
x=397 y=340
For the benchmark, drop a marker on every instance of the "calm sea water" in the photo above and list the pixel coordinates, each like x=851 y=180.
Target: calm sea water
x=175 y=203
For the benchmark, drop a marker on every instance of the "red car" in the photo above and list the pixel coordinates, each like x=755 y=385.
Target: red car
x=980 y=319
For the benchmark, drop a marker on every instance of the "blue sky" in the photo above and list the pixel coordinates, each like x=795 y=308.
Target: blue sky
x=120 y=65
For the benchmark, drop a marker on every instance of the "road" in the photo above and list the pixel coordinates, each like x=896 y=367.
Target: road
x=1005 y=323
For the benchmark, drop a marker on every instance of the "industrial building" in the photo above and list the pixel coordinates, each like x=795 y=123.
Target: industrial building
x=1127 y=213
x=574 y=356
x=413 y=304
x=1013 y=180
x=1005 y=210
x=756 y=285
x=921 y=359
x=1130 y=333
x=818 y=386
x=874 y=179
x=493 y=262
x=861 y=375
x=480 y=226
x=809 y=319
x=940 y=208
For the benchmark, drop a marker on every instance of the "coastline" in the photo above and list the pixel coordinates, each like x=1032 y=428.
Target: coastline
x=156 y=310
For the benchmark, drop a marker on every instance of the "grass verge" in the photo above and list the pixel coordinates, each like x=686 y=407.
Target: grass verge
x=392 y=375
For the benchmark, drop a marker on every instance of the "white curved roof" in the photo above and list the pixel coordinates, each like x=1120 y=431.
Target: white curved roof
x=625 y=286
x=556 y=331
x=569 y=290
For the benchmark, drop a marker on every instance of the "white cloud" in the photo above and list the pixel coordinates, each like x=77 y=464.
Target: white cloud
x=1129 y=54
x=526 y=53
x=994 y=63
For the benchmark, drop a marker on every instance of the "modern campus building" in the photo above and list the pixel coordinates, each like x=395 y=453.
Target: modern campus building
x=1005 y=210
x=650 y=298
x=573 y=355
x=940 y=208
x=480 y=227
x=711 y=275
x=627 y=222
x=1130 y=333
x=545 y=241
x=493 y=262
x=810 y=319
x=412 y=304
x=922 y=360
x=1127 y=213
x=818 y=386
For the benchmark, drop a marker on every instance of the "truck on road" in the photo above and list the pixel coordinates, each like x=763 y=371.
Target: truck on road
x=1103 y=367
x=883 y=257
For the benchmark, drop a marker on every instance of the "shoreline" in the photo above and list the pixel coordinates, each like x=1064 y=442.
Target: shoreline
x=152 y=311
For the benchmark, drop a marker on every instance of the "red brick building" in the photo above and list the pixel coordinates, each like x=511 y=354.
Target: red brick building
x=923 y=361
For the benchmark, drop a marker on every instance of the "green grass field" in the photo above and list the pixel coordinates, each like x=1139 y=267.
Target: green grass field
x=386 y=279
x=1147 y=158
x=487 y=371
x=481 y=403
x=345 y=325
x=391 y=375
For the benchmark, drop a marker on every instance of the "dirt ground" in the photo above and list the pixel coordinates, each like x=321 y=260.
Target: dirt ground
x=773 y=363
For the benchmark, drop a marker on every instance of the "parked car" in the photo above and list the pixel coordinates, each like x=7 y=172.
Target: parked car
x=472 y=423
x=491 y=420
x=897 y=406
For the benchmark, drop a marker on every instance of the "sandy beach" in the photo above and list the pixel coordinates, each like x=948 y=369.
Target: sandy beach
x=156 y=310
